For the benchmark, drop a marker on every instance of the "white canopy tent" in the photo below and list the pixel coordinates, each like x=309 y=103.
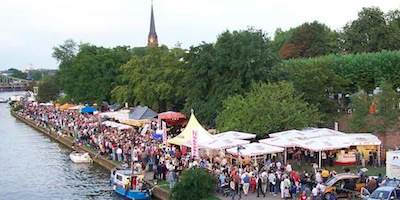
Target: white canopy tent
x=284 y=142
x=120 y=115
x=185 y=137
x=363 y=139
x=255 y=149
x=116 y=125
x=236 y=135
x=223 y=143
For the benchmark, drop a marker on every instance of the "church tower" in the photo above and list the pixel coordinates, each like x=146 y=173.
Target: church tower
x=152 y=40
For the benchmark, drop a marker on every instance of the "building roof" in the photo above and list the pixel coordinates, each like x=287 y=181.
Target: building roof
x=142 y=112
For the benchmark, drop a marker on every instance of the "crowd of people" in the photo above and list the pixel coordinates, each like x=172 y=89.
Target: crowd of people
x=139 y=149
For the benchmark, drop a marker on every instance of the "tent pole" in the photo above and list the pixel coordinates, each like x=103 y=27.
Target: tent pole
x=379 y=155
x=285 y=155
x=319 y=159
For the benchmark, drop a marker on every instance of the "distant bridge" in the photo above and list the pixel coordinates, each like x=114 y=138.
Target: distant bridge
x=10 y=84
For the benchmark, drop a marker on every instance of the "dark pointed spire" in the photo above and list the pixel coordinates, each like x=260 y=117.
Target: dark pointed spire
x=152 y=40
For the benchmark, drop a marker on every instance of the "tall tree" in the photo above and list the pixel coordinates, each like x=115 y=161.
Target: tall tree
x=315 y=80
x=310 y=40
x=370 y=32
x=154 y=79
x=92 y=73
x=267 y=108
x=360 y=104
x=216 y=71
x=65 y=53
x=388 y=101
x=48 y=89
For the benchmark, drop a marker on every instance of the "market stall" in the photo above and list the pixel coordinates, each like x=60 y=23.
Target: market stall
x=254 y=151
x=119 y=126
x=236 y=135
x=185 y=137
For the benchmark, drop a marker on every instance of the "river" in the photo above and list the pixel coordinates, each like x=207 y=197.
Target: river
x=34 y=167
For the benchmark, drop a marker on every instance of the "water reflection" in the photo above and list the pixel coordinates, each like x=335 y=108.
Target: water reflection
x=34 y=167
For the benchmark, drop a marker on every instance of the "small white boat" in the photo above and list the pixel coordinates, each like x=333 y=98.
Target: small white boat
x=2 y=100
x=79 y=157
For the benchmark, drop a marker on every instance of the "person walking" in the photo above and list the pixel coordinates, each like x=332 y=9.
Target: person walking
x=260 y=185
x=272 y=182
x=246 y=183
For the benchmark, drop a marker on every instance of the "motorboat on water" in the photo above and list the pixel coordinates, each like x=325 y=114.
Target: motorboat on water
x=80 y=157
x=129 y=185
x=2 y=100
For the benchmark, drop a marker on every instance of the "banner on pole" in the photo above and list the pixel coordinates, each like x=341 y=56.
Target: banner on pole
x=195 y=147
x=164 y=136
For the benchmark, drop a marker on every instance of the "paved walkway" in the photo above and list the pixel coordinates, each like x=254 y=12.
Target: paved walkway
x=252 y=196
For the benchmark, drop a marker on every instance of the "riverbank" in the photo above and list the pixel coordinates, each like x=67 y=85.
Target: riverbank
x=67 y=141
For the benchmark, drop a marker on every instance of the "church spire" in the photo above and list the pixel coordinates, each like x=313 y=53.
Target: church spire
x=152 y=40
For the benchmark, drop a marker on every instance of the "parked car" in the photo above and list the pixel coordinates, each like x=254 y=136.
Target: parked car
x=343 y=185
x=382 y=193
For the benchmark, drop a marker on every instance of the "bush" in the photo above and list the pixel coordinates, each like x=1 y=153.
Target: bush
x=194 y=184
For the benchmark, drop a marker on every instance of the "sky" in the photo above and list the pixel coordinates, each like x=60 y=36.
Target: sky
x=29 y=29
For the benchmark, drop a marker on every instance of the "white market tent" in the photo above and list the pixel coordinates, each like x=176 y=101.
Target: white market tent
x=46 y=104
x=116 y=125
x=77 y=107
x=236 y=135
x=319 y=139
x=255 y=149
x=307 y=133
x=325 y=143
x=185 y=137
x=223 y=143
x=358 y=139
x=281 y=141
x=120 y=115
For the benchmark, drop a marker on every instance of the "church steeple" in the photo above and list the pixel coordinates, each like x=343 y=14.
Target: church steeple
x=152 y=40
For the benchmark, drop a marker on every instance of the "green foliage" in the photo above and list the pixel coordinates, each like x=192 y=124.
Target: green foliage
x=65 y=53
x=194 y=184
x=17 y=73
x=315 y=80
x=154 y=79
x=360 y=105
x=388 y=101
x=309 y=40
x=362 y=71
x=267 y=108
x=373 y=31
x=228 y=67
x=92 y=73
x=48 y=89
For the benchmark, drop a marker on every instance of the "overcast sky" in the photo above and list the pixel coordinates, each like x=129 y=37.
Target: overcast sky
x=30 y=28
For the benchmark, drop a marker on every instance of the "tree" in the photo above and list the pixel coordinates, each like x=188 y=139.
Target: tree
x=360 y=105
x=194 y=184
x=17 y=73
x=92 y=73
x=310 y=40
x=280 y=38
x=154 y=78
x=388 y=101
x=372 y=31
x=267 y=108
x=315 y=80
x=228 y=67
x=65 y=53
x=48 y=89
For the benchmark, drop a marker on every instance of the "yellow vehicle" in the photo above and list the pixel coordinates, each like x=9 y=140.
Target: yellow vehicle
x=343 y=185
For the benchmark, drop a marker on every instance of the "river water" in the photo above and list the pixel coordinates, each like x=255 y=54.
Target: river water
x=34 y=167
